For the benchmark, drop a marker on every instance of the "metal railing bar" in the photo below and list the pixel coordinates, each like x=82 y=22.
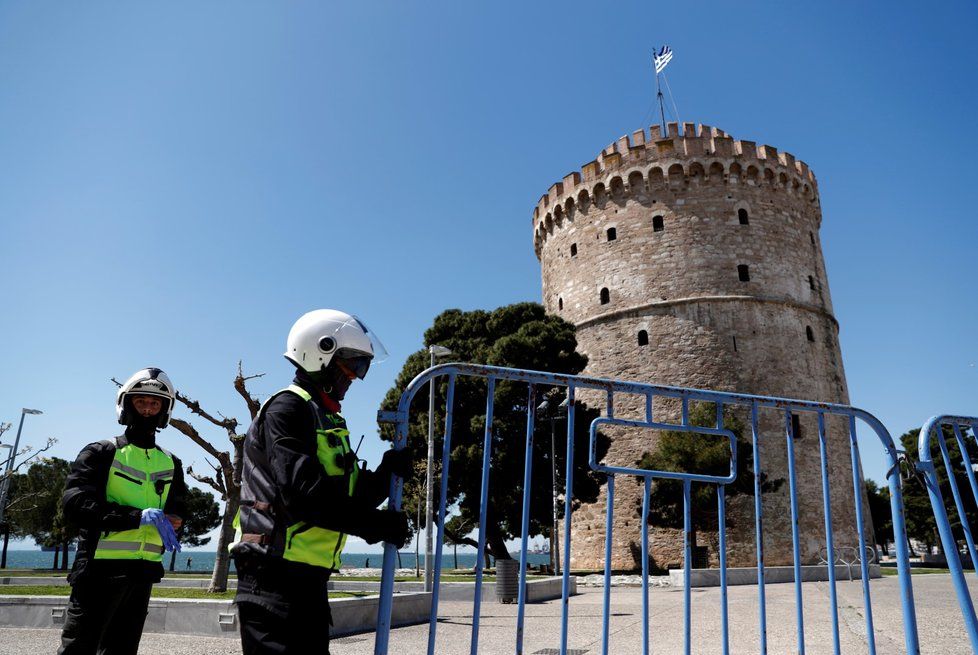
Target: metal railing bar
x=858 y=486
x=603 y=384
x=670 y=475
x=568 y=505
x=525 y=527
x=645 y=564
x=829 y=538
x=955 y=490
x=795 y=543
x=609 y=522
x=758 y=530
x=687 y=567
x=483 y=512
x=969 y=469
x=724 y=614
x=722 y=532
x=926 y=466
x=443 y=501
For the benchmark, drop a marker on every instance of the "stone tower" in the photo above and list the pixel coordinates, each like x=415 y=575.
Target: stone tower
x=693 y=259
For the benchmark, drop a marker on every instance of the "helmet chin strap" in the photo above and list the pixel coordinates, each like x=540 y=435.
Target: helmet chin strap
x=331 y=381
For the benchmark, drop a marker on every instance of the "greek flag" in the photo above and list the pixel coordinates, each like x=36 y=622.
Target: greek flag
x=661 y=58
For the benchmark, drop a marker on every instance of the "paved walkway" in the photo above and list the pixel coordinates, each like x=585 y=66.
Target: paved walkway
x=939 y=622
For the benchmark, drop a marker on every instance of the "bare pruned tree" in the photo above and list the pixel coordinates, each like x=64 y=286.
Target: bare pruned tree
x=226 y=465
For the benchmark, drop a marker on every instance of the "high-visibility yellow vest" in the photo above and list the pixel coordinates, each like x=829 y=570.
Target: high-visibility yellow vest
x=140 y=478
x=305 y=542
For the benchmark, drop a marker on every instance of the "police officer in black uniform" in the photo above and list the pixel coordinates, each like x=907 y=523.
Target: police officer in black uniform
x=303 y=491
x=127 y=496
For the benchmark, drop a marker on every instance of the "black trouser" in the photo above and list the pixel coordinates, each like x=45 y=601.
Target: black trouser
x=283 y=608
x=304 y=630
x=105 y=616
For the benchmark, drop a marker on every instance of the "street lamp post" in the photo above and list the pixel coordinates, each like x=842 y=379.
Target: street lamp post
x=8 y=471
x=552 y=414
x=435 y=351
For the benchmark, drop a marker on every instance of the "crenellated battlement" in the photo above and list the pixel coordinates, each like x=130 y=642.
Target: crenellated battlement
x=672 y=159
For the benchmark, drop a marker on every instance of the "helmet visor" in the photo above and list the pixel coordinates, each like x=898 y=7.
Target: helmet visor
x=380 y=353
x=355 y=362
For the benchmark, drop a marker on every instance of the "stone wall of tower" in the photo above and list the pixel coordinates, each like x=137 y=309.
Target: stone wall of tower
x=653 y=237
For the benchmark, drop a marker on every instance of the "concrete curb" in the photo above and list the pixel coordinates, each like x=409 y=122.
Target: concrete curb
x=536 y=590
x=215 y=618
x=772 y=574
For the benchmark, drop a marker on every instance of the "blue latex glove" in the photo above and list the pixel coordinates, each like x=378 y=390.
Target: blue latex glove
x=156 y=517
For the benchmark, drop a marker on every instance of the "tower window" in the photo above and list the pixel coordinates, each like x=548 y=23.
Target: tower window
x=657 y=224
x=796 y=426
x=811 y=235
x=811 y=283
x=560 y=303
x=743 y=272
x=643 y=338
x=573 y=250
x=612 y=234
x=742 y=216
x=809 y=333
x=605 y=296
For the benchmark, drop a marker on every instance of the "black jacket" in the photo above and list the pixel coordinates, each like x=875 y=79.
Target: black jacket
x=283 y=482
x=85 y=506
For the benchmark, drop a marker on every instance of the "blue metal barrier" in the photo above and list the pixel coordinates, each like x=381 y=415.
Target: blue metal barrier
x=959 y=425
x=650 y=392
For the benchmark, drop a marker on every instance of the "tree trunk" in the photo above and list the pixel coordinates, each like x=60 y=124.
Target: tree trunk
x=57 y=551
x=455 y=548
x=496 y=545
x=222 y=562
x=6 y=541
x=64 y=556
x=173 y=560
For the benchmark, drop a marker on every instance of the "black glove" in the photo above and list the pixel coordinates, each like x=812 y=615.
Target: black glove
x=386 y=525
x=397 y=462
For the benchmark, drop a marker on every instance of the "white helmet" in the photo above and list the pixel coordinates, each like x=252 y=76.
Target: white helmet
x=323 y=335
x=146 y=382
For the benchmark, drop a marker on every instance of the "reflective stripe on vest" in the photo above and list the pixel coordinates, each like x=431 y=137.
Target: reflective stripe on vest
x=140 y=478
x=307 y=543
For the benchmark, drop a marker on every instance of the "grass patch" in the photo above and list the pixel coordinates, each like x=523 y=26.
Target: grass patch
x=892 y=571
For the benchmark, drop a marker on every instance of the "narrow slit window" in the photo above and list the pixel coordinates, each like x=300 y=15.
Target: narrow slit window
x=811 y=235
x=809 y=333
x=743 y=217
x=735 y=343
x=612 y=234
x=643 y=338
x=796 y=426
x=743 y=272
x=560 y=303
x=658 y=225
x=573 y=250
x=605 y=296
x=811 y=282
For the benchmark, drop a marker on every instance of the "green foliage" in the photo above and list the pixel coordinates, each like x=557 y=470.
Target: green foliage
x=517 y=336
x=921 y=524
x=37 y=511
x=705 y=454
x=203 y=515
x=879 y=510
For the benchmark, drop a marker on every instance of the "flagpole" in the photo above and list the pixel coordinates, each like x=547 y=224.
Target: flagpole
x=662 y=111
x=658 y=89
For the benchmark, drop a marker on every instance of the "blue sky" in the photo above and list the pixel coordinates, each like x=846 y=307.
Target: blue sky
x=180 y=181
